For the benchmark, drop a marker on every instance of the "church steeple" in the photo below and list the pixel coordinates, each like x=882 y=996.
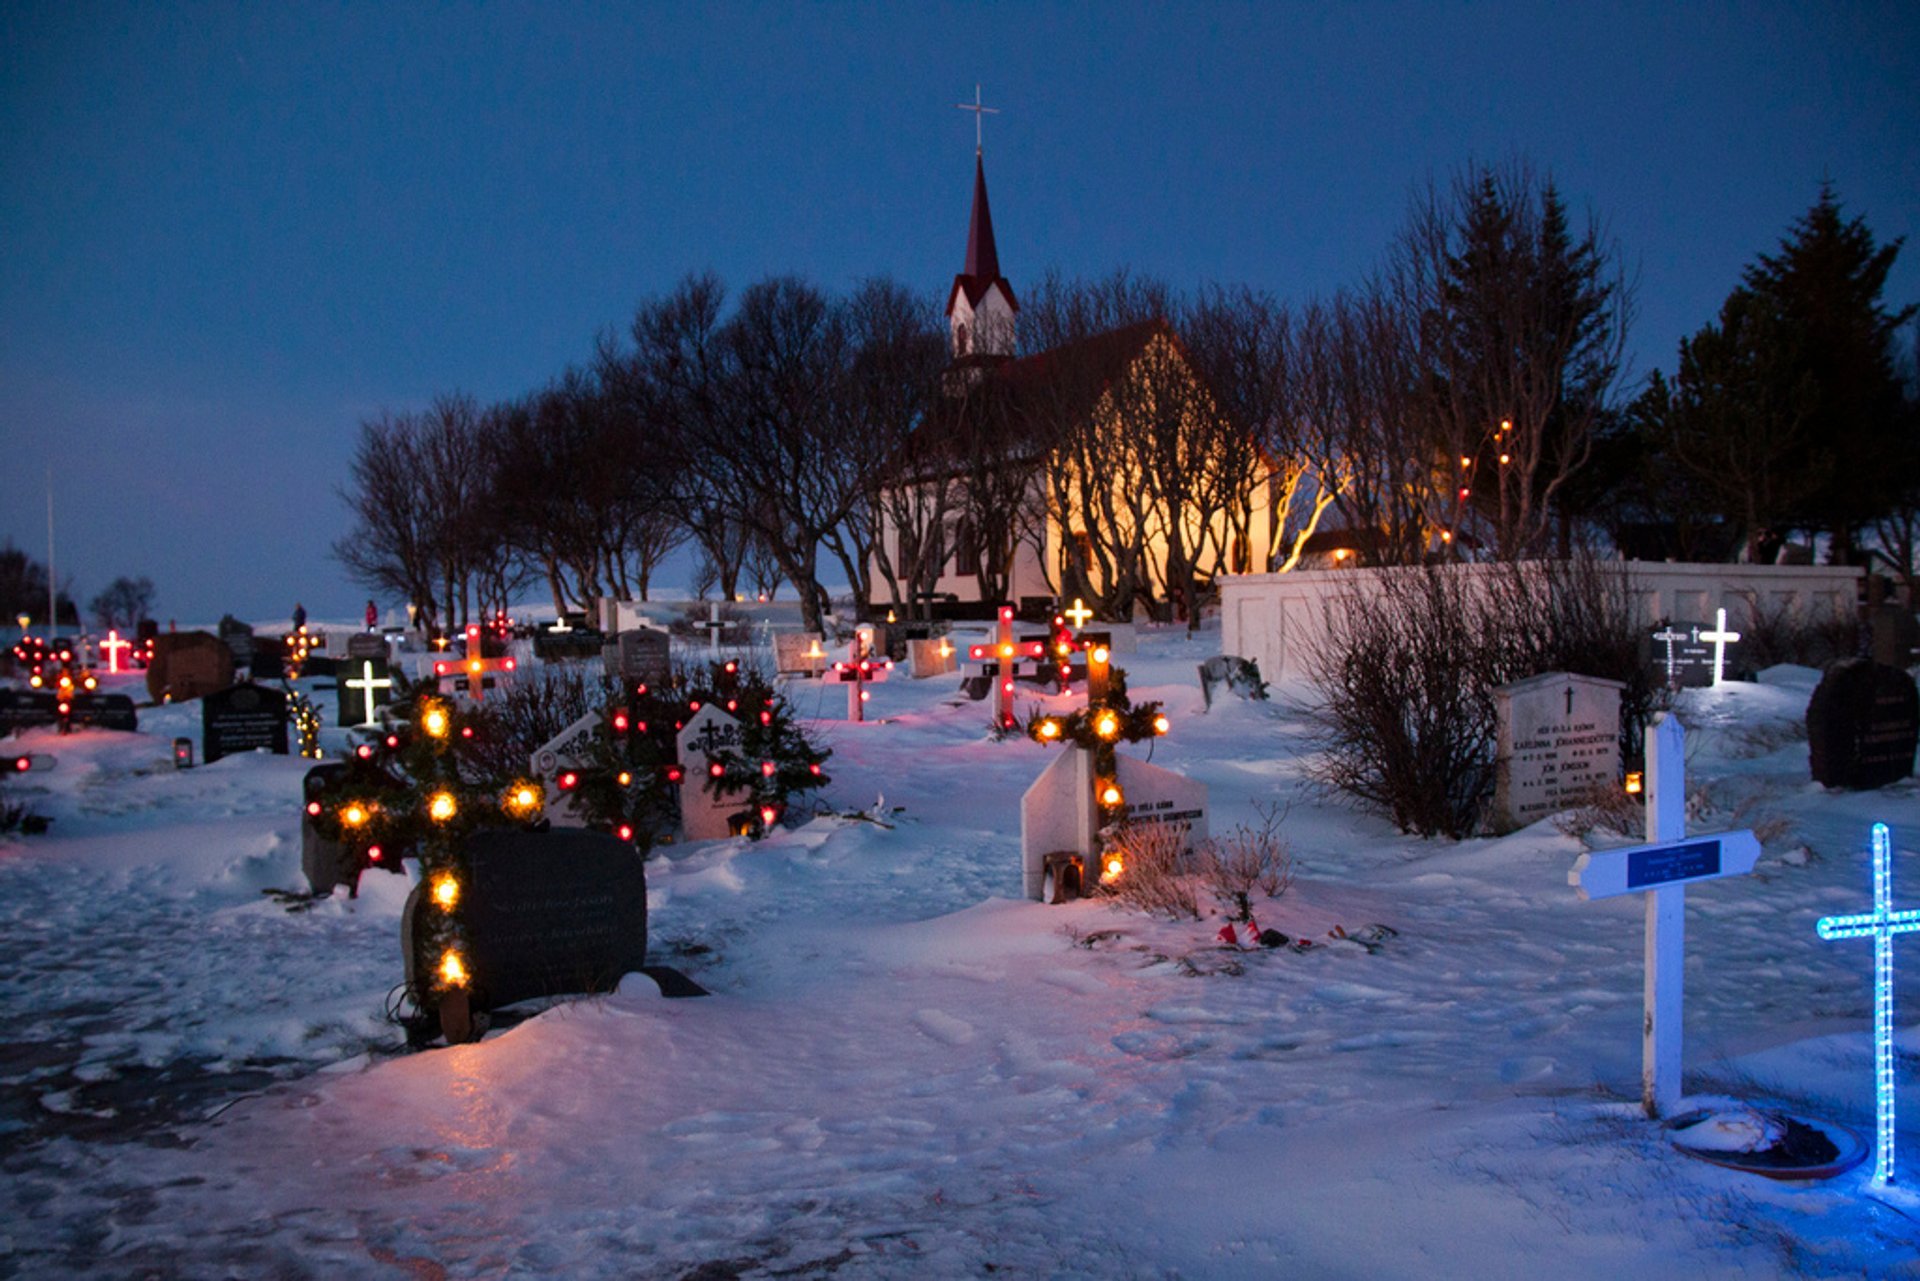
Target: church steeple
x=981 y=305
x=983 y=260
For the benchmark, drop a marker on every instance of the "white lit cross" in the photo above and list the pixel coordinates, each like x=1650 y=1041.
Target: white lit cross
x=369 y=684
x=1671 y=637
x=1079 y=613
x=1719 y=636
x=1882 y=924
x=113 y=644
x=979 y=115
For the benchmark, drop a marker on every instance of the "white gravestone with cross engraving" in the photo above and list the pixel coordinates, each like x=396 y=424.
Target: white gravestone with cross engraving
x=1557 y=739
x=704 y=814
x=555 y=759
x=1662 y=870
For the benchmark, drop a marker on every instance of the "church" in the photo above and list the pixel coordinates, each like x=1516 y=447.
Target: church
x=1042 y=474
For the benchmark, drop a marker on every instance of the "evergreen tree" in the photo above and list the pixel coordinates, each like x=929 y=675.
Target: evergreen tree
x=1824 y=288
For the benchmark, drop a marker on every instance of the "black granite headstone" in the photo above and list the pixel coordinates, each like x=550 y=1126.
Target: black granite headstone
x=105 y=711
x=1896 y=636
x=241 y=718
x=238 y=638
x=543 y=914
x=367 y=645
x=642 y=656
x=1863 y=725
x=1679 y=659
x=26 y=708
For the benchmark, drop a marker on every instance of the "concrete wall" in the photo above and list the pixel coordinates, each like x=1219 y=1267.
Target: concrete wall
x=1278 y=619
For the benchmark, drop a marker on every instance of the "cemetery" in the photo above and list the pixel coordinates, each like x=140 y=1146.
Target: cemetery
x=1348 y=709
x=684 y=840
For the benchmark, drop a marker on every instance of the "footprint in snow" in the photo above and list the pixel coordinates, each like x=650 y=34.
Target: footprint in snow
x=942 y=1026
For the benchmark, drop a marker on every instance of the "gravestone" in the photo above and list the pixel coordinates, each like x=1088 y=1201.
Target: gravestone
x=1896 y=636
x=1240 y=676
x=640 y=656
x=800 y=653
x=238 y=638
x=542 y=914
x=363 y=645
x=27 y=708
x=562 y=752
x=1686 y=655
x=105 y=711
x=1058 y=813
x=1863 y=724
x=936 y=656
x=364 y=686
x=575 y=643
x=326 y=863
x=1557 y=741
x=188 y=665
x=705 y=816
x=242 y=718
x=269 y=656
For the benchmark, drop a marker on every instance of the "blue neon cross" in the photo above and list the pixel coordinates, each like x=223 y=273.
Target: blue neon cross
x=1882 y=924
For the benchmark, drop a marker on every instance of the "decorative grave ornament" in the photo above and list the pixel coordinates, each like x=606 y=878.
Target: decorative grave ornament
x=473 y=672
x=114 y=647
x=709 y=810
x=858 y=671
x=1863 y=725
x=1000 y=662
x=714 y=626
x=243 y=718
x=1557 y=742
x=1661 y=870
x=1881 y=924
x=188 y=665
x=364 y=693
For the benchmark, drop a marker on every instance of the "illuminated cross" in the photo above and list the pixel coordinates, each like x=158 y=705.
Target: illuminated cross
x=369 y=684
x=474 y=666
x=860 y=670
x=979 y=115
x=1079 y=613
x=1719 y=636
x=1671 y=637
x=1882 y=924
x=113 y=645
x=560 y=625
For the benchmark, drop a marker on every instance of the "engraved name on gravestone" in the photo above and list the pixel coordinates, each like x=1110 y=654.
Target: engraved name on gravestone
x=705 y=816
x=1557 y=740
x=1863 y=724
x=242 y=718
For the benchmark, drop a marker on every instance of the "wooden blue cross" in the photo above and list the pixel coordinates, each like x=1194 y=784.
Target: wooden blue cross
x=1881 y=924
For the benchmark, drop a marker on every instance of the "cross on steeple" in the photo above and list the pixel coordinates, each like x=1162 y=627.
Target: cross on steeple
x=979 y=114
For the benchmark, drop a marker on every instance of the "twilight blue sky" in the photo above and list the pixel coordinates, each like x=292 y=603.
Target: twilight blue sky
x=229 y=232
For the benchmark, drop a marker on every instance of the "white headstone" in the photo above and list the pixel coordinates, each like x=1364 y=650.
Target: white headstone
x=562 y=752
x=1058 y=811
x=935 y=657
x=1558 y=738
x=703 y=815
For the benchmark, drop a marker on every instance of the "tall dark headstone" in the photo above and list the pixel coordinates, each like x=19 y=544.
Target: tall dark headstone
x=242 y=718
x=642 y=656
x=543 y=914
x=1896 y=635
x=238 y=638
x=1863 y=725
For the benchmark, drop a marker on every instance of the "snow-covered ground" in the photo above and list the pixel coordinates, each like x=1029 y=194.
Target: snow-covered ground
x=905 y=1069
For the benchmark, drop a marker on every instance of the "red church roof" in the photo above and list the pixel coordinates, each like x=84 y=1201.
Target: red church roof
x=982 y=268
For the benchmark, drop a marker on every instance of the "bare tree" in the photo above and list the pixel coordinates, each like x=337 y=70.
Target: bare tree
x=125 y=602
x=391 y=546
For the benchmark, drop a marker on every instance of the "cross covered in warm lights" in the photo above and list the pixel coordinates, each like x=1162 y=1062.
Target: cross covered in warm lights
x=474 y=667
x=367 y=684
x=858 y=671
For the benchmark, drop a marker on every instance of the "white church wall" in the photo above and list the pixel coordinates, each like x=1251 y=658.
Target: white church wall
x=1280 y=620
